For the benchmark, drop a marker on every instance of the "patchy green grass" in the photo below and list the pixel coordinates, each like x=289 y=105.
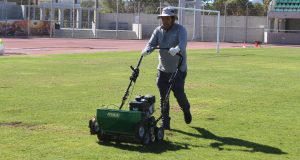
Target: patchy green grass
x=245 y=105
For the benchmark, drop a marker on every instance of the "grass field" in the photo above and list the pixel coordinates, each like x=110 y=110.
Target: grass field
x=245 y=105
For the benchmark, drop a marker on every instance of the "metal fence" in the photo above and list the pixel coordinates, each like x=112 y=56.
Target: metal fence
x=116 y=20
x=70 y=18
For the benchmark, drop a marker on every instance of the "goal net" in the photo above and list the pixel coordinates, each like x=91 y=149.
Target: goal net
x=201 y=24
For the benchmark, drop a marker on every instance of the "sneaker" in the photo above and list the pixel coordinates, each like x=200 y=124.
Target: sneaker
x=187 y=116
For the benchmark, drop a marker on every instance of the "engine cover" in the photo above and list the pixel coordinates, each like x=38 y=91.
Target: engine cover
x=143 y=104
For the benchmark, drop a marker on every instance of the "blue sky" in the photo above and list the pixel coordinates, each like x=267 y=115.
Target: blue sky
x=257 y=1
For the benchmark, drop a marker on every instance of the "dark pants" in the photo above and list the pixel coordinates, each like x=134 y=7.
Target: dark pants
x=178 y=90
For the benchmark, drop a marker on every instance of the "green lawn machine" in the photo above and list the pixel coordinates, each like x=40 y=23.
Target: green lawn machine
x=134 y=125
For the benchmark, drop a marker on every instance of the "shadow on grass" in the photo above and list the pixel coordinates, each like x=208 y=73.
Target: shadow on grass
x=152 y=148
x=222 y=141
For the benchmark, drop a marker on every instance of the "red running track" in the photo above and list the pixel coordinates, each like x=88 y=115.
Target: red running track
x=37 y=46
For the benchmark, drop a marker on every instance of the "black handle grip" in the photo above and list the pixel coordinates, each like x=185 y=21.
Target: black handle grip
x=160 y=48
x=132 y=68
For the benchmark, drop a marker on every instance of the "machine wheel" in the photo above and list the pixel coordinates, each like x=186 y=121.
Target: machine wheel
x=141 y=132
x=146 y=139
x=159 y=134
x=152 y=134
x=94 y=126
x=101 y=136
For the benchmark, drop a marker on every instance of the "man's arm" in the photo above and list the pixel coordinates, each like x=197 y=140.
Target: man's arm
x=182 y=39
x=153 y=42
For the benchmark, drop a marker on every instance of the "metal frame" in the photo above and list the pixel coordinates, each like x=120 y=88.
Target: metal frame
x=209 y=11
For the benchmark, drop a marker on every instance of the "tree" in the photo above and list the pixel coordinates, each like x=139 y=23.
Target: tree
x=87 y=3
x=131 y=6
x=257 y=10
x=266 y=4
x=239 y=7
x=234 y=7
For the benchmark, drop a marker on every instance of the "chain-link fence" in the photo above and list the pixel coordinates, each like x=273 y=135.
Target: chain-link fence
x=117 y=19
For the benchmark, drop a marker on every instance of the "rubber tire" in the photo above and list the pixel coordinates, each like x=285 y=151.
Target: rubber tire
x=146 y=140
x=138 y=132
x=159 y=134
x=92 y=126
x=152 y=135
x=101 y=137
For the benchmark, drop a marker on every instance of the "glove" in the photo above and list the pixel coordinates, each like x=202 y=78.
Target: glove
x=174 y=50
x=146 y=51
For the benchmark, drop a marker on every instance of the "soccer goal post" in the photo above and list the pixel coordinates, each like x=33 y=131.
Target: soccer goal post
x=180 y=9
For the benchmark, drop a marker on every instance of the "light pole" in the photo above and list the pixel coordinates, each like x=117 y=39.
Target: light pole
x=96 y=18
x=28 y=19
x=5 y=13
x=225 y=15
x=117 y=19
x=73 y=19
x=246 y=33
x=51 y=20
x=202 y=23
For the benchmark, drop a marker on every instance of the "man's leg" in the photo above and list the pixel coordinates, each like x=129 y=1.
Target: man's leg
x=163 y=86
x=178 y=90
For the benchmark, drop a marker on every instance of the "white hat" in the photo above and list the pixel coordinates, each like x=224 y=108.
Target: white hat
x=168 y=12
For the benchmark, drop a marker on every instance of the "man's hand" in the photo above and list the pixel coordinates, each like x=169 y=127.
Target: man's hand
x=146 y=51
x=174 y=50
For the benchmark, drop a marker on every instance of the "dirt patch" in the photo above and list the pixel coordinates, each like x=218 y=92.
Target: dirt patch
x=9 y=123
x=211 y=118
x=19 y=124
x=175 y=108
x=202 y=85
x=13 y=54
x=4 y=87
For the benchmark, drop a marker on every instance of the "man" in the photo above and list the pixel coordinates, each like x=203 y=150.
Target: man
x=173 y=36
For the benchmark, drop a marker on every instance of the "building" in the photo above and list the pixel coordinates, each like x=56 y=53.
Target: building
x=284 y=22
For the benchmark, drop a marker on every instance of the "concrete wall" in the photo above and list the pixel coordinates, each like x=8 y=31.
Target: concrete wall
x=234 y=31
x=284 y=38
x=88 y=33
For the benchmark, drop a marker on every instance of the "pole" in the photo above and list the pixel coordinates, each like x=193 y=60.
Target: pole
x=225 y=15
x=160 y=9
x=5 y=7
x=246 y=33
x=96 y=18
x=51 y=19
x=117 y=19
x=28 y=19
x=202 y=25
x=218 y=33
x=139 y=22
x=266 y=30
x=218 y=22
x=180 y=21
x=194 y=26
x=88 y=19
x=73 y=19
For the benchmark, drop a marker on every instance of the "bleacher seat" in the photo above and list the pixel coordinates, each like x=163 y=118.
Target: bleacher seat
x=287 y=6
